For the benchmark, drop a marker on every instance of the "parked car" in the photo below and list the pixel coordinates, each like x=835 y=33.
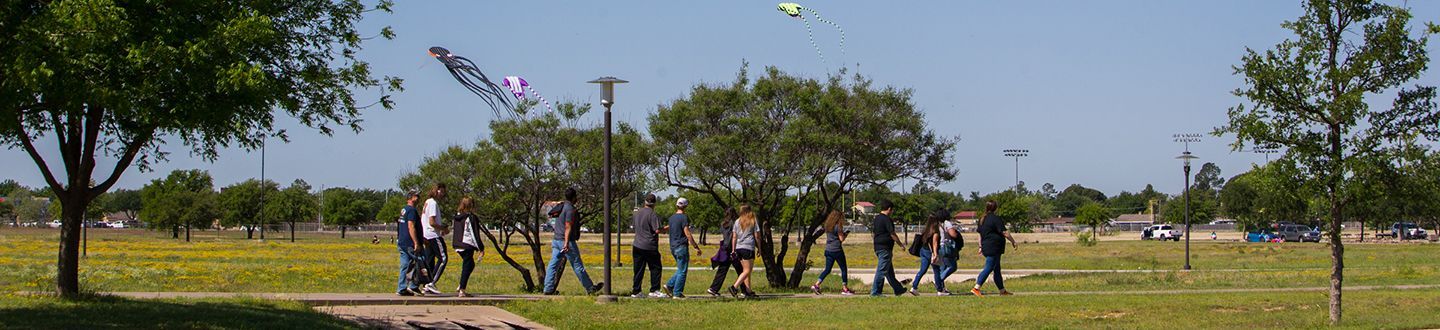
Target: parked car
x=1259 y=236
x=1223 y=222
x=1311 y=236
x=1162 y=232
x=1408 y=230
x=55 y=224
x=1292 y=232
x=98 y=224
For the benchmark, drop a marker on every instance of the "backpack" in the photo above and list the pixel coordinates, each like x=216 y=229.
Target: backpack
x=916 y=243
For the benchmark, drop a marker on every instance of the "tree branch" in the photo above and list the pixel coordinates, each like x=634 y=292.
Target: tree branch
x=131 y=150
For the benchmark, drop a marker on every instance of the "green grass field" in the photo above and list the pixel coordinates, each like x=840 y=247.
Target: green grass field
x=99 y=312
x=134 y=260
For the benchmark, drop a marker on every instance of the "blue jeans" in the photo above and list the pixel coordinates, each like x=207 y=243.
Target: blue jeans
x=407 y=260
x=830 y=259
x=884 y=271
x=992 y=264
x=552 y=270
x=682 y=266
x=946 y=266
x=925 y=256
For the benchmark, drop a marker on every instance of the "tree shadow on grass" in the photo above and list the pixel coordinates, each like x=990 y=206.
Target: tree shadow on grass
x=105 y=312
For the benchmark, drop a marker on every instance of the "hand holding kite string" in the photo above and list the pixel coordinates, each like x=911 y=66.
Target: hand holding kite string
x=794 y=10
x=477 y=82
x=518 y=86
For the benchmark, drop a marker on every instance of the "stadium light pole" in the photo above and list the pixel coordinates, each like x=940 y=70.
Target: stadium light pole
x=1186 y=156
x=1017 y=153
x=607 y=99
x=1266 y=150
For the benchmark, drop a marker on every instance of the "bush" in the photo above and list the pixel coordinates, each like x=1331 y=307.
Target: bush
x=1086 y=238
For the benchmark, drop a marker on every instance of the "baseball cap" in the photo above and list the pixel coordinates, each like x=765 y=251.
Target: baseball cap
x=682 y=202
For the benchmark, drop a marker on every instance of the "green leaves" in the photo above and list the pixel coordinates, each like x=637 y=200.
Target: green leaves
x=185 y=198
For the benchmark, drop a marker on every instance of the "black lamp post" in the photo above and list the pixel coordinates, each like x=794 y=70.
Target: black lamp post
x=607 y=99
x=1186 y=157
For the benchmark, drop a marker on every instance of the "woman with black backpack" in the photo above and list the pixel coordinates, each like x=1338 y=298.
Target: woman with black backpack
x=950 y=244
x=927 y=243
x=468 y=242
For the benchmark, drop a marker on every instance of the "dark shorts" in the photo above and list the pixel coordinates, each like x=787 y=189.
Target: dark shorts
x=744 y=254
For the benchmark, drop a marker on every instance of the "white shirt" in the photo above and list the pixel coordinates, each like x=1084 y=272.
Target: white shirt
x=470 y=235
x=432 y=209
x=945 y=227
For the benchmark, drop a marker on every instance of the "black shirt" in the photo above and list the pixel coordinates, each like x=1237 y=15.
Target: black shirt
x=992 y=238
x=882 y=229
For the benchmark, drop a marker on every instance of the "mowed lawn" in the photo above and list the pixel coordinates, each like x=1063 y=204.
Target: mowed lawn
x=138 y=260
x=99 y=312
x=1363 y=309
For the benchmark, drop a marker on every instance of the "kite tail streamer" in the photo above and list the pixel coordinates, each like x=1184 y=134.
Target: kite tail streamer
x=837 y=27
x=542 y=99
x=811 y=34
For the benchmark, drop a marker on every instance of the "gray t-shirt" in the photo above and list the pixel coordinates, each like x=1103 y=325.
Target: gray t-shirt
x=832 y=239
x=745 y=239
x=567 y=214
x=678 y=223
x=647 y=225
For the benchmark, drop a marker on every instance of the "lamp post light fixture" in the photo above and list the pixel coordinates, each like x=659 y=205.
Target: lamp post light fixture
x=1017 y=153
x=607 y=99
x=1186 y=156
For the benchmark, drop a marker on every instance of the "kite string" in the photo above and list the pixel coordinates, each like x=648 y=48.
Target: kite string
x=837 y=27
x=811 y=34
x=542 y=99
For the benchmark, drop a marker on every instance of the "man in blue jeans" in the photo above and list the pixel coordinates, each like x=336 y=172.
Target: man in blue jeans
x=883 y=228
x=680 y=241
x=409 y=245
x=567 y=231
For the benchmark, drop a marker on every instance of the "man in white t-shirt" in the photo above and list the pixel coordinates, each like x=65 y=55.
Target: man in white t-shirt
x=436 y=255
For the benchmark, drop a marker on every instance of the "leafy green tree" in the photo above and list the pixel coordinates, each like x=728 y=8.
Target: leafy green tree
x=1208 y=177
x=125 y=201
x=242 y=204
x=1068 y=202
x=1308 y=95
x=1093 y=214
x=777 y=138
x=344 y=208
x=290 y=205
x=185 y=198
x=8 y=186
x=120 y=78
x=29 y=208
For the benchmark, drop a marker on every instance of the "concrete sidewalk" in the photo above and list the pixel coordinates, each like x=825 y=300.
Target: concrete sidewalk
x=432 y=317
x=345 y=299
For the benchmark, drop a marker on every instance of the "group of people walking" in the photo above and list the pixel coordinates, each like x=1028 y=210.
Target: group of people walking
x=424 y=252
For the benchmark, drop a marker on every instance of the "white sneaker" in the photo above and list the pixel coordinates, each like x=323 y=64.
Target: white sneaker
x=942 y=293
x=658 y=294
x=430 y=289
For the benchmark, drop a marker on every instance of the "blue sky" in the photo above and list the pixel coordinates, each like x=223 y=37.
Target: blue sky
x=1094 y=89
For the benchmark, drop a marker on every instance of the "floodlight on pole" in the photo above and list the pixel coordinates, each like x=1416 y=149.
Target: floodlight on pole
x=1267 y=150
x=607 y=99
x=1017 y=153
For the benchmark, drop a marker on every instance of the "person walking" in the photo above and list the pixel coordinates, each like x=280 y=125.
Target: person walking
x=992 y=244
x=436 y=256
x=929 y=243
x=950 y=244
x=743 y=246
x=723 y=260
x=680 y=242
x=835 y=234
x=467 y=242
x=563 y=247
x=883 y=229
x=645 y=248
x=412 y=248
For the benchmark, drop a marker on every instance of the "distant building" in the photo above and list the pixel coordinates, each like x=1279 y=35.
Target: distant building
x=863 y=208
x=1134 y=219
x=1057 y=223
x=966 y=219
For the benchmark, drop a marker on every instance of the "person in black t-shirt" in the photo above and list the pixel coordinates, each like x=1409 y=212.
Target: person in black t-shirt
x=883 y=230
x=992 y=244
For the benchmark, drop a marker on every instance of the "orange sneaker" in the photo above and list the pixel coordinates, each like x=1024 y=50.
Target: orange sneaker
x=976 y=292
x=1006 y=293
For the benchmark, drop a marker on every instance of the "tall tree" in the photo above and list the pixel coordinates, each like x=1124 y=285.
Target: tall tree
x=343 y=208
x=183 y=199
x=1308 y=95
x=290 y=205
x=1093 y=214
x=121 y=78
x=125 y=201
x=242 y=203
x=779 y=139
x=1208 y=177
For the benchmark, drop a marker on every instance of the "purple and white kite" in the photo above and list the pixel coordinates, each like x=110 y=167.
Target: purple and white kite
x=518 y=86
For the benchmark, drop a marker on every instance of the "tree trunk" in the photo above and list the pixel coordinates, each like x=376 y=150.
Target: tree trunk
x=504 y=251
x=187 y=232
x=67 y=278
x=250 y=232
x=1337 y=264
x=262 y=232
x=807 y=241
x=292 y=232
x=175 y=232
